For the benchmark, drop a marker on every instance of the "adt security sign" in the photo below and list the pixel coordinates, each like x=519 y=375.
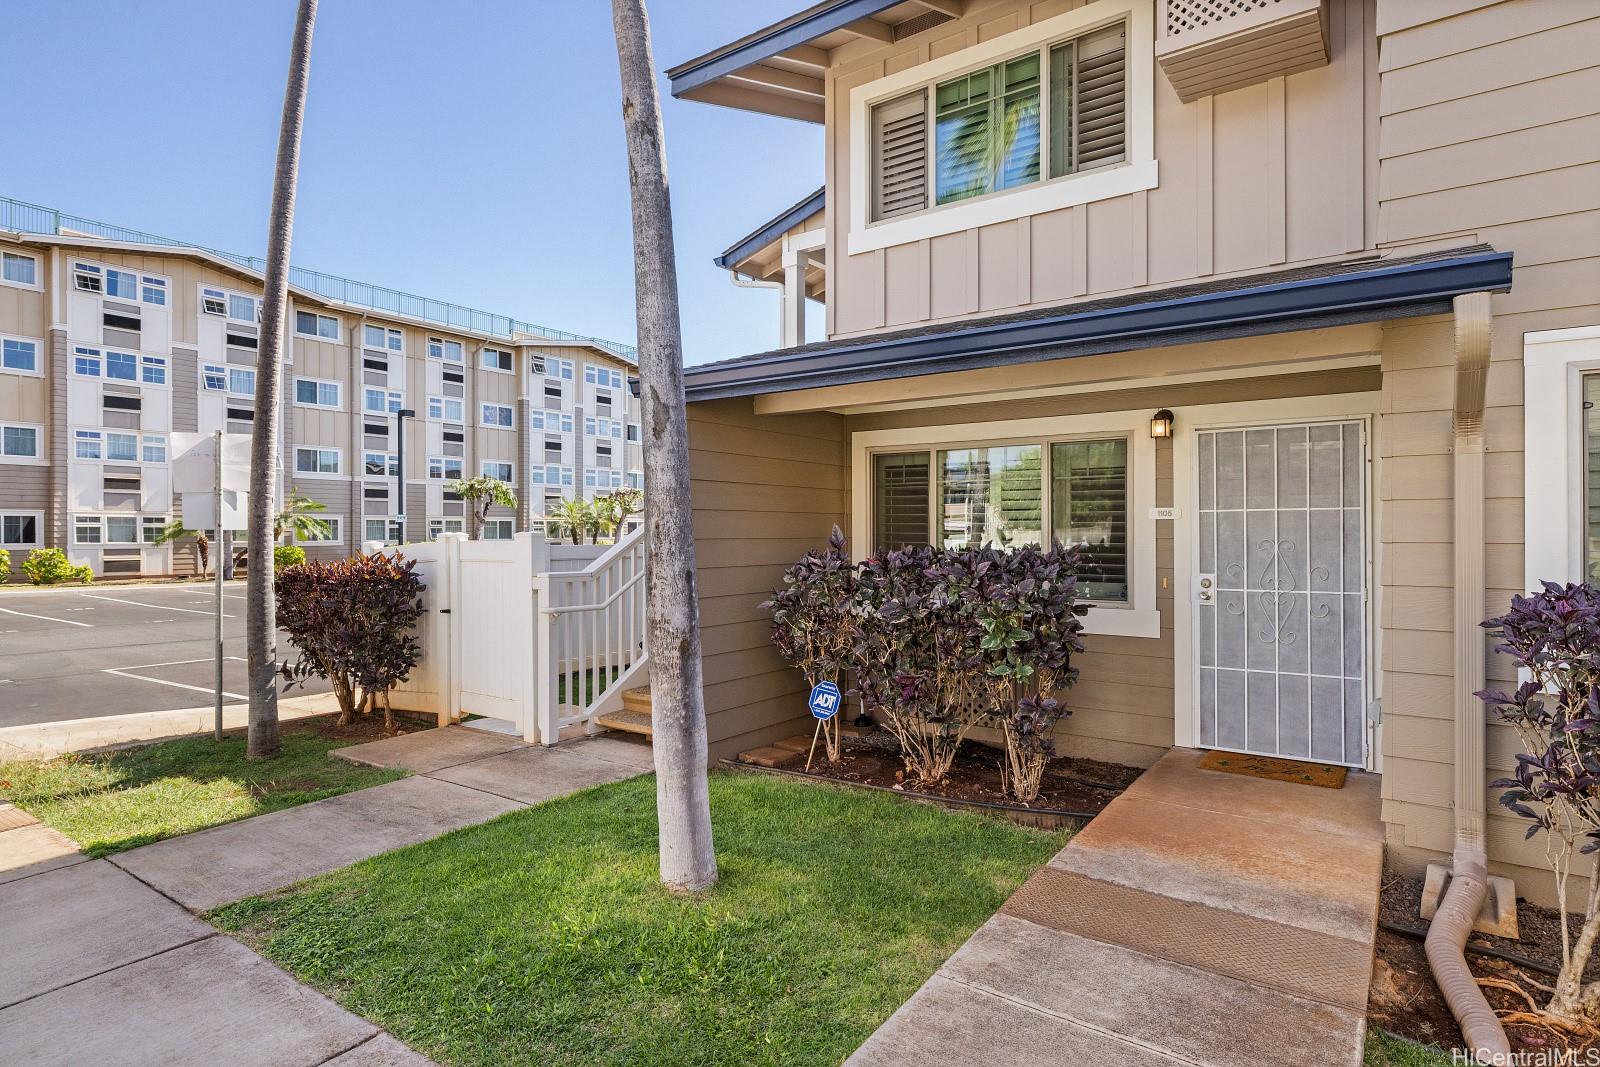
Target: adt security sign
x=825 y=700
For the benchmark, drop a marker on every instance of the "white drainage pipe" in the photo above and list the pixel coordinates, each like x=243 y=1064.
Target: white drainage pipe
x=1447 y=937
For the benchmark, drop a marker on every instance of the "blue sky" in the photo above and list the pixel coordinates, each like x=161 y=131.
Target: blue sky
x=470 y=150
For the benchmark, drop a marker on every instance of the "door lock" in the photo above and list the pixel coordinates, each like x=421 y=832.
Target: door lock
x=1205 y=588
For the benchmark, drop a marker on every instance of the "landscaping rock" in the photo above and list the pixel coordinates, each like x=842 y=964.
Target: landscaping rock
x=770 y=756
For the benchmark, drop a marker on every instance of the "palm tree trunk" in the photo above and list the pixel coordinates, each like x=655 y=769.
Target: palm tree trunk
x=672 y=619
x=261 y=628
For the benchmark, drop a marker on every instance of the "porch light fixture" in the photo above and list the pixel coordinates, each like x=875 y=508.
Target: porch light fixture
x=1161 y=424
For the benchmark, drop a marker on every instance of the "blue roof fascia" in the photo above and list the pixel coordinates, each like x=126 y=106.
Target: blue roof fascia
x=768 y=43
x=773 y=230
x=1382 y=292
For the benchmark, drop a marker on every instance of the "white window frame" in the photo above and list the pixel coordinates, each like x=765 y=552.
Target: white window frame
x=153 y=440
x=394 y=340
x=442 y=465
x=497 y=525
x=38 y=271
x=35 y=460
x=483 y=421
x=1138 y=616
x=443 y=401
x=81 y=522
x=132 y=435
x=157 y=363
x=510 y=357
x=38 y=530
x=444 y=346
x=1138 y=173
x=318 y=319
x=509 y=479
x=338 y=462
x=441 y=525
x=38 y=355
x=335 y=532
x=557 y=369
x=233 y=368
x=338 y=394
x=1554 y=362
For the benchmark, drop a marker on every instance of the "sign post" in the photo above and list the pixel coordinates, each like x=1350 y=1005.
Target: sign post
x=824 y=704
x=211 y=473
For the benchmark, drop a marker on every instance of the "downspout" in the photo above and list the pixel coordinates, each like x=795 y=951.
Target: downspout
x=783 y=296
x=1469 y=880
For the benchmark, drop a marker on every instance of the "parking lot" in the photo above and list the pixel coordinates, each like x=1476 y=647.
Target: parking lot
x=118 y=650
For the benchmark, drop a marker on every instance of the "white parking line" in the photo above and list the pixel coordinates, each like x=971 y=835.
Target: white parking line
x=46 y=618
x=152 y=607
x=126 y=672
x=169 y=663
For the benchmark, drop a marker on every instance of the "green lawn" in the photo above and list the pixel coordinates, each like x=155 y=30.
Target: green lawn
x=108 y=803
x=1385 y=1050
x=544 y=937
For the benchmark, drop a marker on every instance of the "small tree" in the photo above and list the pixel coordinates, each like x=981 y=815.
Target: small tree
x=481 y=494
x=1555 y=636
x=5 y=565
x=177 y=531
x=574 y=518
x=298 y=519
x=353 y=622
x=812 y=626
x=612 y=509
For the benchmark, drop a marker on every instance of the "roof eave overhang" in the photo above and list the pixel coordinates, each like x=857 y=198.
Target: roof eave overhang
x=772 y=231
x=698 y=79
x=1381 y=293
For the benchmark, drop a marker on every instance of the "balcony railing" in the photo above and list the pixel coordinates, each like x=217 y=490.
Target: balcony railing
x=22 y=217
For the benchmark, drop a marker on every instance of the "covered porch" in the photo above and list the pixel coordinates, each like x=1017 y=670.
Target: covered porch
x=1251 y=461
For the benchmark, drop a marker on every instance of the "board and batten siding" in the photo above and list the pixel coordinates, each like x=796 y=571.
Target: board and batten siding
x=765 y=490
x=1273 y=174
x=1489 y=131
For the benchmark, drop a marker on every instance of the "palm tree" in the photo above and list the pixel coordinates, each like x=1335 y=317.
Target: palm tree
x=672 y=612
x=297 y=521
x=481 y=494
x=261 y=628
x=574 y=518
x=177 y=531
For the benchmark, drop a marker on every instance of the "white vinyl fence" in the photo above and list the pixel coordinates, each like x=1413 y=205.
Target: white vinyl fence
x=544 y=635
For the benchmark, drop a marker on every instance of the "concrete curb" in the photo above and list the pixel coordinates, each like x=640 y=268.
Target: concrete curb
x=42 y=740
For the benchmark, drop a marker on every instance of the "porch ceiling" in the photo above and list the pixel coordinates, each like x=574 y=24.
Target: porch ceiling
x=1306 y=298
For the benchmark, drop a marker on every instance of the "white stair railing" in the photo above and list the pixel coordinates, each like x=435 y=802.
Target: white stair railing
x=589 y=637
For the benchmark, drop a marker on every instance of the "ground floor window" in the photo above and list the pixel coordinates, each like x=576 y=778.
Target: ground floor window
x=443 y=526
x=1591 y=463
x=20 y=529
x=334 y=534
x=384 y=531
x=1073 y=491
x=497 y=529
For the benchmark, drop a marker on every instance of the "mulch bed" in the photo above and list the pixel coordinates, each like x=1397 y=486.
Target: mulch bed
x=1405 y=1000
x=367 y=729
x=1081 y=787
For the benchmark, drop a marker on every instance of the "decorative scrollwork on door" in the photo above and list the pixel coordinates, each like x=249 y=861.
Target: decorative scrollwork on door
x=1277 y=580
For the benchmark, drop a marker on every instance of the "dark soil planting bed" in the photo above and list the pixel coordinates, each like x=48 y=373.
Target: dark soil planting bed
x=1405 y=1000
x=1075 y=790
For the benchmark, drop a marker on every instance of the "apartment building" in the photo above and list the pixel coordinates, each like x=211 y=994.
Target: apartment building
x=108 y=346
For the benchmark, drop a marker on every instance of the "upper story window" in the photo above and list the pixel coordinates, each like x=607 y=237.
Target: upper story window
x=236 y=306
x=1054 y=114
x=383 y=337
x=239 y=381
x=316 y=392
x=499 y=415
x=558 y=368
x=444 y=409
x=19 y=442
x=438 y=348
x=19 y=354
x=310 y=324
x=122 y=284
x=19 y=268
x=602 y=376
x=495 y=359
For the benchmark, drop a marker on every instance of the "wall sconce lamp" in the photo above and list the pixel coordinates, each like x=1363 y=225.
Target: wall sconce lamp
x=1161 y=424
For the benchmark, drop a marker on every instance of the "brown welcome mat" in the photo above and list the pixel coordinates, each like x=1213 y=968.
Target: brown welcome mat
x=1279 y=770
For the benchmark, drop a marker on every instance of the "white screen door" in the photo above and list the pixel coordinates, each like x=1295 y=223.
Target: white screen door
x=1280 y=591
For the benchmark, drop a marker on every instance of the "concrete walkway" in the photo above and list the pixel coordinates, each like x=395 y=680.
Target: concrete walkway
x=105 y=961
x=1202 y=918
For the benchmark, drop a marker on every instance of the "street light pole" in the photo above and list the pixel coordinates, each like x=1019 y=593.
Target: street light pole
x=400 y=418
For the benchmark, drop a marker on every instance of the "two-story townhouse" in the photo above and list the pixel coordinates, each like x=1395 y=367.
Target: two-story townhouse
x=1290 y=310
x=111 y=346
